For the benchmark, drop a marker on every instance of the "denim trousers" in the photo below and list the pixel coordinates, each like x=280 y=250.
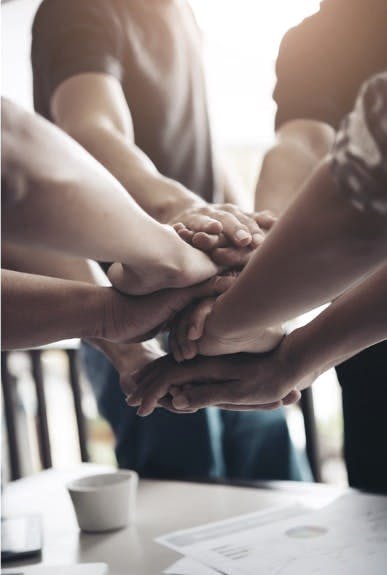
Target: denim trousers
x=209 y=444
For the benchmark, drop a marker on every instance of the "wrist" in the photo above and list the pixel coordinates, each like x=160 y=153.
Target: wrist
x=219 y=329
x=92 y=302
x=101 y=306
x=117 y=353
x=176 y=200
x=298 y=357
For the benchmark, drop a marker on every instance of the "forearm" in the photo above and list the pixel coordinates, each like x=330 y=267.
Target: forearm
x=32 y=260
x=92 y=108
x=319 y=248
x=58 y=196
x=161 y=197
x=38 y=310
x=36 y=261
x=355 y=321
x=300 y=145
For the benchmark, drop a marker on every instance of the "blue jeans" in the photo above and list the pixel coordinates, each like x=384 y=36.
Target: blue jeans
x=208 y=444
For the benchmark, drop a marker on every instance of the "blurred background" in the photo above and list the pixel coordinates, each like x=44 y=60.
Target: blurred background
x=241 y=49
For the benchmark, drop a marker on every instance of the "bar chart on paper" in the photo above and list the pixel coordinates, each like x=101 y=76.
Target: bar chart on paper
x=348 y=536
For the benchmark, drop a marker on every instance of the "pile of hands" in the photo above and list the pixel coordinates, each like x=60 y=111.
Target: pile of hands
x=202 y=368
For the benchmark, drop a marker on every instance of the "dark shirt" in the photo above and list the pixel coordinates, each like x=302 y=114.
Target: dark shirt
x=323 y=62
x=153 y=47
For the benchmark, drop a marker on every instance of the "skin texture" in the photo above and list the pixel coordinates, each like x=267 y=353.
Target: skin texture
x=289 y=271
x=300 y=146
x=41 y=310
x=92 y=108
x=353 y=322
x=51 y=183
x=126 y=358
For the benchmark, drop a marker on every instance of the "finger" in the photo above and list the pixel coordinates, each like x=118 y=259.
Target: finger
x=212 y=287
x=168 y=374
x=173 y=343
x=203 y=223
x=250 y=222
x=186 y=235
x=151 y=397
x=116 y=275
x=143 y=373
x=252 y=407
x=231 y=257
x=292 y=397
x=188 y=349
x=179 y=226
x=166 y=368
x=236 y=232
x=197 y=319
x=265 y=219
x=197 y=397
x=166 y=403
x=160 y=372
x=207 y=242
x=127 y=384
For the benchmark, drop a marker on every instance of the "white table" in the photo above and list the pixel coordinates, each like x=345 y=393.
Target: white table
x=162 y=506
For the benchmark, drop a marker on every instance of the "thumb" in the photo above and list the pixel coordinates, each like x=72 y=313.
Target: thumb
x=213 y=287
x=115 y=273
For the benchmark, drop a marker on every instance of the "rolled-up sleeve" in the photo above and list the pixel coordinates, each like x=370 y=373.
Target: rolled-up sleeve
x=71 y=37
x=359 y=162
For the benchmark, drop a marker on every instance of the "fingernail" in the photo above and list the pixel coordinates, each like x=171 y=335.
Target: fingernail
x=258 y=238
x=242 y=235
x=131 y=401
x=180 y=402
x=192 y=333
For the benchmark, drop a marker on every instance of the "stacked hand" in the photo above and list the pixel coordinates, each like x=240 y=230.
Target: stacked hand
x=229 y=237
x=189 y=335
x=133 y=319
x=222 y=235
x=231 y=247
x=237 y=382
x=226 y=233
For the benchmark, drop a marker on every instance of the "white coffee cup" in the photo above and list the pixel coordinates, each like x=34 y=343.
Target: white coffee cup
x=105 y=502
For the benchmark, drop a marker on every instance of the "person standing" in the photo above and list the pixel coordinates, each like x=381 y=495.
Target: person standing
x=321 y=66
x=125 y=78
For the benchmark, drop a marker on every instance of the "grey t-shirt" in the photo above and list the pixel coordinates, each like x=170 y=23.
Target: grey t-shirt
x=153 y=47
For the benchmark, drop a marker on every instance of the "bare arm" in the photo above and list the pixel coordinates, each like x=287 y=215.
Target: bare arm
x=319 y=248
x=92 y=108
x=355 y=321
x=126 y=357
x=39 y=310
x=58 y=196
x=299 y=147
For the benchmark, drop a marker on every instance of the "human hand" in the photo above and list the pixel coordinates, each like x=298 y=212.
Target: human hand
x=238 y=382
x=223 y=231
x=129 y=358
x=171 y=263
x=133 y=319
x=189 y=337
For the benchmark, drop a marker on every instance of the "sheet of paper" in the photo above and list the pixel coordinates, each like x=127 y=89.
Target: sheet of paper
x=202 y=542
x=84 y=569
x=347 y=537
x=188 y=566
